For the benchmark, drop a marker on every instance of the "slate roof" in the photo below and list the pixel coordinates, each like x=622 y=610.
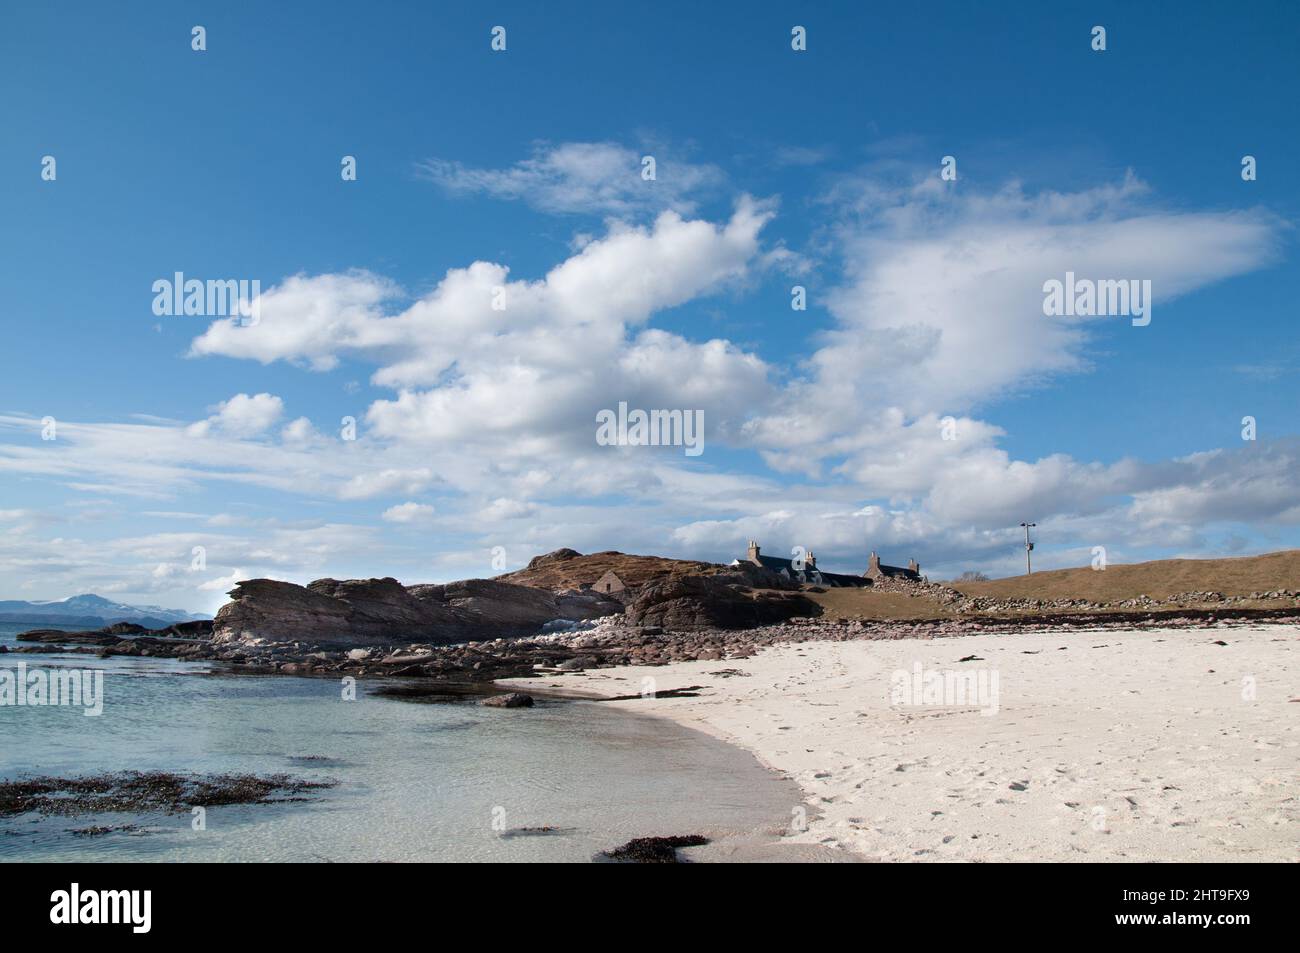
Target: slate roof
x=808 y=574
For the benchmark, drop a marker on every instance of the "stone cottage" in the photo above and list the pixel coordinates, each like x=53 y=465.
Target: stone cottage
x=609 y=583
x=808 y=574
x=877 y=570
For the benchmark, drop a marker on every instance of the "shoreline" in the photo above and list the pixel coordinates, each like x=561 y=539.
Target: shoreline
x=608 y=642
x=1108 y=745
x=640 y=780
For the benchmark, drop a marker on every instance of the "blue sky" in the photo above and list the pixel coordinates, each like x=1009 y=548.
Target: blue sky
x=774 y=168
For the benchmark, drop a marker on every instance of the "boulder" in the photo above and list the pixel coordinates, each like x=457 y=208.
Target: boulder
x=557 y=556
x=719 y=601
x=510 y=700
x=408 y=658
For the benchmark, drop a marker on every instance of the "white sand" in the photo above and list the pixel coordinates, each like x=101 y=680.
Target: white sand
x=1133 y=746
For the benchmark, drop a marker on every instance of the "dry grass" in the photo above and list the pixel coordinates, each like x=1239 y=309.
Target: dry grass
x=1159 y=579
x=840 y=604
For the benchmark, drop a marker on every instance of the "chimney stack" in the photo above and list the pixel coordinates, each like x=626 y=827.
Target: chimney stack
x=811 y=560
x=753 y=551
x=913 y=565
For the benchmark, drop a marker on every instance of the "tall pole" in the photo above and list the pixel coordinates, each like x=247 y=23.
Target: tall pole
x=1029 y=548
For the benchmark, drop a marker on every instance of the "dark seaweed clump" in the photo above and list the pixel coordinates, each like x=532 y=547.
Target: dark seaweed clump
x=654 y=850
x=138 y=792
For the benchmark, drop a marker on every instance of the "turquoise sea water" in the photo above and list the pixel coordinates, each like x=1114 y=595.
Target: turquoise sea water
x=417 y=781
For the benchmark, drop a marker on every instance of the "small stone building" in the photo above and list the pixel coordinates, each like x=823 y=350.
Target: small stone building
x=609 y=583
x=807 y=573
x=877 y=570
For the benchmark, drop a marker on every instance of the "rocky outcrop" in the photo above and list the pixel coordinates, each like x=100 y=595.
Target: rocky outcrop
x=382 y=611
x=282 y=611
x=570 y=569
x=507 y=608
x=370 y=612
x=120 y=632
x=727 y=601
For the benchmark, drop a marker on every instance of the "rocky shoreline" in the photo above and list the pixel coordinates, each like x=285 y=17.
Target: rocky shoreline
x=551 y=619
x=361 y=613
x=601 y=643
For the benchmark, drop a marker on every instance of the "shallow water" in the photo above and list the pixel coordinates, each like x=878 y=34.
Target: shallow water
x=417 y=781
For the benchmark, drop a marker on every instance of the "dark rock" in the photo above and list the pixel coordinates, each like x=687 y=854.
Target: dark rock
x=198 y=629
x=718 y=601
x=557 y=556
x=578 y=664
x=109 y=635
x=120 y=633
x=511 y=700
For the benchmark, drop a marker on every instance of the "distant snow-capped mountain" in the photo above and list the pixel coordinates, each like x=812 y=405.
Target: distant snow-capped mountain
x=89 y=606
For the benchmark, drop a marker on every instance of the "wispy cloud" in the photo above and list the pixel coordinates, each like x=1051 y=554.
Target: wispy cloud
x=601 y=178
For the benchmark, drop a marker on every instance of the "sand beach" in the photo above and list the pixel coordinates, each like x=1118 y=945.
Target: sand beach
x=1096 y=746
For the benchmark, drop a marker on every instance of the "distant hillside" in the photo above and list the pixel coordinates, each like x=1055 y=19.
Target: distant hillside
x=1158 y=579
x=77 y=610
x=568 y=569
